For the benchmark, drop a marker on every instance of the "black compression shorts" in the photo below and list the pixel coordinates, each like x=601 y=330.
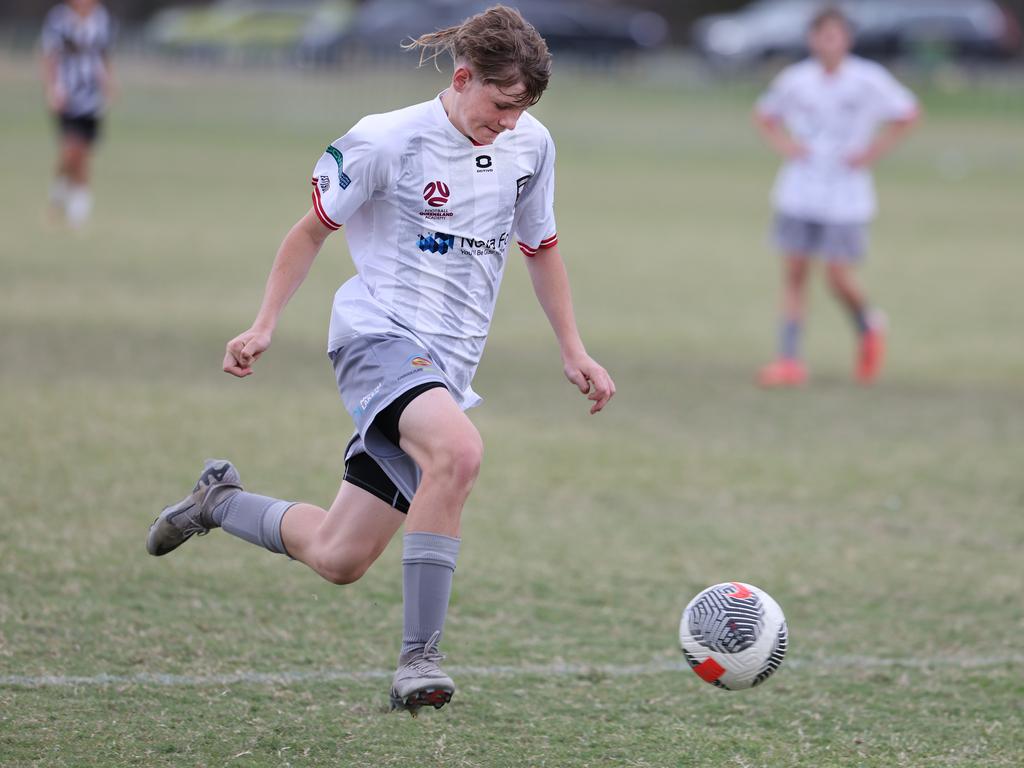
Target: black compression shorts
x=363 y=471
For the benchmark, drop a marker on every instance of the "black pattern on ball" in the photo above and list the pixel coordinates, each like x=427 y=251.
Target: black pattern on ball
x=774 y=660
x=724 y=623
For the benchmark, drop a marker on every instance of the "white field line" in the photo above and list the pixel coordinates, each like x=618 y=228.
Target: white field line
x=543 y=670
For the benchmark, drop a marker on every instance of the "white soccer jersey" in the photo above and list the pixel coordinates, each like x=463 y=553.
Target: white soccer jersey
x=834 y=116
x=79 y=45
x=429 y=218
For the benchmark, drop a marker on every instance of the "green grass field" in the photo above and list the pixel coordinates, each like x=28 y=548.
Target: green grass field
x=887 y=522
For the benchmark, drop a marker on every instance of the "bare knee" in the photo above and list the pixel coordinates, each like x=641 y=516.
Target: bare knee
x=466 y=459
x=74 y=160
x=796 y=269
x=457 y=462
x=839 y=280
x=342 y=567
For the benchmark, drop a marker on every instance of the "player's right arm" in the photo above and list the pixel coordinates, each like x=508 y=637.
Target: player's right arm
x=56 y=97
x=768 y=118
x=291 y=265
x=350 y=170
x=777 y=137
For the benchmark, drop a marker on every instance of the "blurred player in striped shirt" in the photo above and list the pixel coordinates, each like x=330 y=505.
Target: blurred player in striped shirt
x=76 y=41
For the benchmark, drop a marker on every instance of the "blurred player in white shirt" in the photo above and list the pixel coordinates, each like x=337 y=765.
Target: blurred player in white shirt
x=431 y=198
x=76 y=41
x=831 y=117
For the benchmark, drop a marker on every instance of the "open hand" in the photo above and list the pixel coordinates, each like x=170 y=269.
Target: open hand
x=794 y=150
x=56 y=98
x=862 y=159
x=591 y=379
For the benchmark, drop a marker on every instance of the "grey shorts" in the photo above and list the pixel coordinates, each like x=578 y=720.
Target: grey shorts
x=832 y=242
x=372 y=371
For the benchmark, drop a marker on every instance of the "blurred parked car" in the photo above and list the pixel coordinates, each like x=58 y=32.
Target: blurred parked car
x=248 y=25
x=568 y=25
x=884 y=28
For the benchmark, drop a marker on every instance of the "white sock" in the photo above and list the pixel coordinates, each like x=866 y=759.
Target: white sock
x=59 y=192
x=79 y=204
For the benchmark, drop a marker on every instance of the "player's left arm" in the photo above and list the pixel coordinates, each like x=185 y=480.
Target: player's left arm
x=891 y=134
x=551 y=285
x=56 y=96
x=896 y=108
x=107 y=82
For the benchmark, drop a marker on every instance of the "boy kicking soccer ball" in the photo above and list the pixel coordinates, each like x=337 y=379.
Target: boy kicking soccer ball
x=431 y=197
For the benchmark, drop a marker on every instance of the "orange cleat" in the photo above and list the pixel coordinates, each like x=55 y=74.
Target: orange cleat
x=783 y=373
x=871 y=352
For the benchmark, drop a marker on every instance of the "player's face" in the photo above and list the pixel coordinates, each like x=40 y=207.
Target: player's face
x=482 y=110
x=830 y=42
x=83 y=6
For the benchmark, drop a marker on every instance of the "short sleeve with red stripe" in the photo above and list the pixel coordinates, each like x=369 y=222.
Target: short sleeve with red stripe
x=345 y=177
x=534 y=224
x=549 y=242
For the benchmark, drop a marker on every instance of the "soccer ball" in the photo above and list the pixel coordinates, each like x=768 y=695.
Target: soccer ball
x=733 y=635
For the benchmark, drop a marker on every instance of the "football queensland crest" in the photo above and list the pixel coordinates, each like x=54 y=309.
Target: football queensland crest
x=343 y=179
x=436 y=193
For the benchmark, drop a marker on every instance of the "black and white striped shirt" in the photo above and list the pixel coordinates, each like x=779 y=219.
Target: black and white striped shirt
x=79 y=46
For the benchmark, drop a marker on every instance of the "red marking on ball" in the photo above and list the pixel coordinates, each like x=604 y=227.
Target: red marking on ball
x=741 y=593
x=709 y=670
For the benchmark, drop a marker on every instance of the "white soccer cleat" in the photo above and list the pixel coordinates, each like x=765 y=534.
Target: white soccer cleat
x=420 y=682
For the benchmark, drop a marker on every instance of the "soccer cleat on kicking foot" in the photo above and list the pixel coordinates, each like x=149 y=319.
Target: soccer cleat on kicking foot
x=419 y=682
x=191 y=516
x=783 y=373
x=871 y=352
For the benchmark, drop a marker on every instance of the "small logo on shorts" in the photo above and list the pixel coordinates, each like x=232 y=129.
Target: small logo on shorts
x=358 y=411
x=325 y=183
x=420 y=362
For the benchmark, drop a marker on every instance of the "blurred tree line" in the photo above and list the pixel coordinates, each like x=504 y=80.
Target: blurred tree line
x=679 y=13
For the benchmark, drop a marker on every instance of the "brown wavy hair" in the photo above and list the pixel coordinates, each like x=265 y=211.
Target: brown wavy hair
x=830 y=13
x=500 y=47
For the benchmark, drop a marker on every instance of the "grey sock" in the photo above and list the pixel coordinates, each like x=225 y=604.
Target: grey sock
x=790 y=331
x=428 y=563
x=255 y=518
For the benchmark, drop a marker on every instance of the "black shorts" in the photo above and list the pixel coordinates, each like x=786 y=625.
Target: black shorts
x=363 y=471
x=84 y=127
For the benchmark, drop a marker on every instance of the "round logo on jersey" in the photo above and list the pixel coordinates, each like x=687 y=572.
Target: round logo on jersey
x=436 y=193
